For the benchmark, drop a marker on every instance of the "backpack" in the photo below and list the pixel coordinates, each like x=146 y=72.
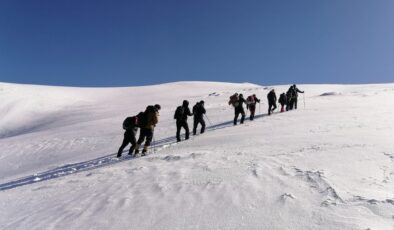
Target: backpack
x=250 y=100
x=282 y=98
x=130 y=122
x=143 y=116
x=141 y=119
x=179 y=112
x=234 y=100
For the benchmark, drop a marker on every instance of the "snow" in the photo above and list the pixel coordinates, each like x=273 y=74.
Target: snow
x=328 y=165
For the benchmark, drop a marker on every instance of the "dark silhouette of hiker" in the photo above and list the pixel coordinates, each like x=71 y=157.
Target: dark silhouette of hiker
x=283 y=102
x=271 y=96
x=295 y=92
x=251 y=105
x=180 y=115
x=290 y=98
x=199 y=111
x=148 y=121
x=130 y=125
x=237 y=102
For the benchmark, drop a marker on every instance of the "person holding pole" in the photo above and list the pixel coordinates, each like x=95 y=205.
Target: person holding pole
x=251 y=105
x=296 y=91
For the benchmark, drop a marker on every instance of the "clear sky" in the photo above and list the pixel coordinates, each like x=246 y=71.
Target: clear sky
x=142 y=42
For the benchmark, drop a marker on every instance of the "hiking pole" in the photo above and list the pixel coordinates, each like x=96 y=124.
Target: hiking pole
x=303 y=95
x=208 y=119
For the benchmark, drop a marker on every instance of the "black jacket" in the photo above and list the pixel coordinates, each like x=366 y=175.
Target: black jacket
x=186 y=112
x=199 y=110
x=296 y=91
x=282 y=99
x=241 y=101
x=271 y=96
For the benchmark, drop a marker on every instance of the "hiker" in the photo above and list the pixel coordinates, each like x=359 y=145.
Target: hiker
x=180 y=115
x=290 y=98
x=199 y=111
x=147 y=121
x=271 y=96
x=283 y=102
x=130 y=125
x=237 y=101
x=296 y=91
x=251 y=105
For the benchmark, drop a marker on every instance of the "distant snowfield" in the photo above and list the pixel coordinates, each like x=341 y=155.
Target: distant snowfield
x=329 y=165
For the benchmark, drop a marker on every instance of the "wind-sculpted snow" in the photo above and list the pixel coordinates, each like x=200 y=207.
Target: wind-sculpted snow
x=327 y=165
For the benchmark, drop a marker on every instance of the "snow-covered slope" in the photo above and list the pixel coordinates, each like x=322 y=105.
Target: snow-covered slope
x=329 y=165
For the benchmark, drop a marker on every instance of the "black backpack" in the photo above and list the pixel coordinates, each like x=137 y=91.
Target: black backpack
x=179 y=112
x=142 y=119
x=130 y=122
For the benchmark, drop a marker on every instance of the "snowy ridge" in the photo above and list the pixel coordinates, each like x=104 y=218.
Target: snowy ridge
x=326 y=166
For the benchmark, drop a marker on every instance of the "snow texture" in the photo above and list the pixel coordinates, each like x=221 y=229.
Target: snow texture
x=327 y=165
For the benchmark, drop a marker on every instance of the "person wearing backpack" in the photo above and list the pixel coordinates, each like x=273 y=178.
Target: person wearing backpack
x=282 y=101
x=147 y=121
x=199 y=111
x=130 y=125
x=180 y=116
x=251 y=105
x=237 y=102
x=290 y=98
x=233 y=100
x=271 y=96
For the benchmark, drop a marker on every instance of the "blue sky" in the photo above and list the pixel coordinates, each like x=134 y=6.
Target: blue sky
x=142 y=42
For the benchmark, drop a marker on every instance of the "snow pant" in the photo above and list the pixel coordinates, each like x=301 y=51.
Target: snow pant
x=239 y=110
x=289 y=105
x=128 y=137
x=295 y=103
x=252 y=109
x=271 y=107
x=181 y=124
x=198 y=120
x=147 y=135
x=282 y=108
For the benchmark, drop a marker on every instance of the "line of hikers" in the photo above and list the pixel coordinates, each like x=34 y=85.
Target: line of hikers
x=148 y=119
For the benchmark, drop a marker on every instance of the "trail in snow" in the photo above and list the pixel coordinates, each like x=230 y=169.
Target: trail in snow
x=99 y=162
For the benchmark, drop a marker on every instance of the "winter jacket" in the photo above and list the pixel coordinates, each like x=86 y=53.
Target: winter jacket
x=271 y=96
x=199 y=110
x=282 y=99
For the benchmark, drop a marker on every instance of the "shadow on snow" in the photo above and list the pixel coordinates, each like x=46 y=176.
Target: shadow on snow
x=96 y=163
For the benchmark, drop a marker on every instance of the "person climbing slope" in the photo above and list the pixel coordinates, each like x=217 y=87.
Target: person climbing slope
x=199 y=111
x=130 y=125
x=237 y=102
x=271 y=96
x=180 y=116
x=251 y=105
x=282 y=102
x=147 y=120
